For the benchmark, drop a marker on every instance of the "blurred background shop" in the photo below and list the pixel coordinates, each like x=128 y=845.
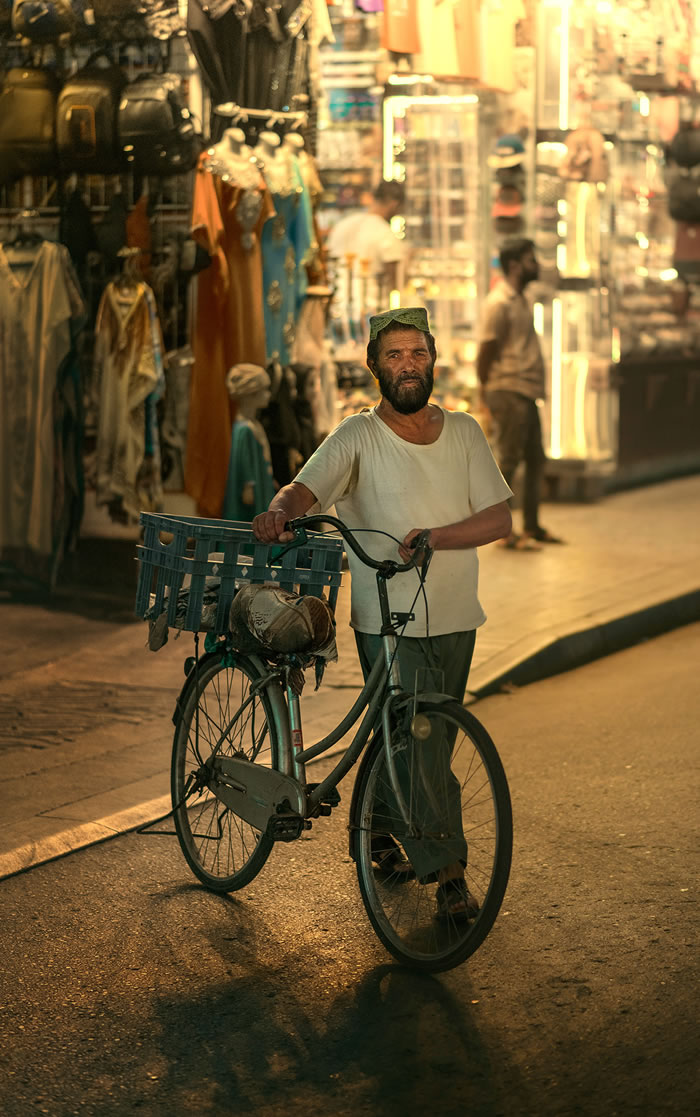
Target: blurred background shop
x=175 y=332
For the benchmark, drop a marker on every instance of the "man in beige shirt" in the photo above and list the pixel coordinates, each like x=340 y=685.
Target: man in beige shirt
x=511 y=373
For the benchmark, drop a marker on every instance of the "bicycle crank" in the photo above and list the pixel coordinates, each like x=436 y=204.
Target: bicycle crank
x=270 y=801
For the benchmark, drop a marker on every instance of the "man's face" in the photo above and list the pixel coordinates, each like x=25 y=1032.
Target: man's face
x=529 y=269
x=404 y=369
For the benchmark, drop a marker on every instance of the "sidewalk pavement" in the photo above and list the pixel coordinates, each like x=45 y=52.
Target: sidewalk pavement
x=85 y=708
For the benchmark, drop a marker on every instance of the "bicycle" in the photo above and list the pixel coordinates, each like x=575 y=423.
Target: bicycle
x=239 y=785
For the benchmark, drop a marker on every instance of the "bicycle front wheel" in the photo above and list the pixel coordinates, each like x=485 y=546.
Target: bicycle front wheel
x=217 y=713
x=458 y=802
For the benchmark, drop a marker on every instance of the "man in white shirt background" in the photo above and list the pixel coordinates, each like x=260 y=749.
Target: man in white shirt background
x=366 y=256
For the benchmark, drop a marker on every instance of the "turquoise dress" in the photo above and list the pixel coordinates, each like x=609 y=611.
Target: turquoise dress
x=249 y=462
x=286 y=244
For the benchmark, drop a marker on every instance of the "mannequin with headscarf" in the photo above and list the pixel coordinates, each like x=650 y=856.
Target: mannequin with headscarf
x=249 y=488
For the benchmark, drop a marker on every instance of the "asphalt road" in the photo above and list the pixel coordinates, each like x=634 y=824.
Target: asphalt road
x=128 y=989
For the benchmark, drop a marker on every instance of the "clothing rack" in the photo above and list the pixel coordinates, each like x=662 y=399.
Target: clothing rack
x=241 y=115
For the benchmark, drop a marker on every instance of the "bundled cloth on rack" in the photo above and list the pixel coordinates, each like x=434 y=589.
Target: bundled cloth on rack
x=158 y=625
x=264 y=620
x=129 y=380
x=41 y=427
x=267 y=618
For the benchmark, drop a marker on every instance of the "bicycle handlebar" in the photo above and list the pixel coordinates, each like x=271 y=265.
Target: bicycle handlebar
x=386 y=567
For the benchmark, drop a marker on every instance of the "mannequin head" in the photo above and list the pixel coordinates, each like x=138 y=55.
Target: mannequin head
x=268 y=142
x=294 y=141
x=249 y=386
x=235 y=139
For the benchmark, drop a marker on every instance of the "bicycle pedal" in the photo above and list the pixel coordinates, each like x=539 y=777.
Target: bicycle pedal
x=285 y=827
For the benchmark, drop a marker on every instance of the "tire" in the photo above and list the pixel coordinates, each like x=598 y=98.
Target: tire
x=404 y=912
x=223 y=850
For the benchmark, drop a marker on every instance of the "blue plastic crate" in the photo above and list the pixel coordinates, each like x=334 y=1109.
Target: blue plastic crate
x=226 y=550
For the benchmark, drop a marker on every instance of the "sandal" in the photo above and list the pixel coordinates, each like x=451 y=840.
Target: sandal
x=519 y=543
x=455 y=901
x=543 y=536
x=389 y=859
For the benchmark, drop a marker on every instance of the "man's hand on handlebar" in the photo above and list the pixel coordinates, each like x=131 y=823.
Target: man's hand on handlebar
x=268 y=527
x=415 y=545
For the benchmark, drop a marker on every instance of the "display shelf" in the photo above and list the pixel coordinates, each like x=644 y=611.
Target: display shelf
x=437 y=143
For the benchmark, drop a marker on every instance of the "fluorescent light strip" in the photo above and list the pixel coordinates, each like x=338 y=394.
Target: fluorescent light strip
x=564 y=66
x=555 y=410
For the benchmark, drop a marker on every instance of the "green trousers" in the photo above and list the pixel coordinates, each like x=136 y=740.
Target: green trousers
x=434 y=663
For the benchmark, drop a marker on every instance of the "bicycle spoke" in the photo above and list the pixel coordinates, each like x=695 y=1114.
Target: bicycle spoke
x=459 y=809
x=224 y=716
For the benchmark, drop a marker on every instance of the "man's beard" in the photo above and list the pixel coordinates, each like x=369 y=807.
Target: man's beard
x=530 y=277
x=406 y=394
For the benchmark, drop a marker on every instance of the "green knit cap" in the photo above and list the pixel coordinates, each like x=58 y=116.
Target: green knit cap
x=416 y=316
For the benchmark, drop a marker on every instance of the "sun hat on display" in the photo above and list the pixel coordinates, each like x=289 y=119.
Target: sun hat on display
x=416 y=316
x=508 y=152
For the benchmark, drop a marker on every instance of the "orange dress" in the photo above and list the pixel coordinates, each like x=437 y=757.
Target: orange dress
x=400 y=27
x=227 y=220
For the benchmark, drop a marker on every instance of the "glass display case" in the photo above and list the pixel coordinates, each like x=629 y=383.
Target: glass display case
x=618 y=272
x=436 y=141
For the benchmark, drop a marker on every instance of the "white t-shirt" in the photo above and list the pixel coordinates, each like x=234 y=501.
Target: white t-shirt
x=378 y=480
x=368 y=237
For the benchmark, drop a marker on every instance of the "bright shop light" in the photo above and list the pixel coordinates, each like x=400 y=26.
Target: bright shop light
x=555 y=431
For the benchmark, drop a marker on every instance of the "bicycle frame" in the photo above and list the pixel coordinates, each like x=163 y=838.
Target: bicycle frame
x=383 y=679
x=385 y=674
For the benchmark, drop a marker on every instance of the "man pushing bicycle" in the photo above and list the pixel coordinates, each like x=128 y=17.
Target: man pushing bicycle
x=402 y=468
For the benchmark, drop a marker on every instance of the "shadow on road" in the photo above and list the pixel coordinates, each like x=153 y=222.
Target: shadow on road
x=272 y=1041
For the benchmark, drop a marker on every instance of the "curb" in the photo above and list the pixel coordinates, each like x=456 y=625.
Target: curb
x=597 y=641
x=29 y=856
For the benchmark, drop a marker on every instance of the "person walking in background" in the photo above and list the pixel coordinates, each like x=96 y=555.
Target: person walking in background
x=367 y=254
x=511 y=373
x=402 y=467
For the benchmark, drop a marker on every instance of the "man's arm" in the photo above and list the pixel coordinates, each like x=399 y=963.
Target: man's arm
x=493 y=333
x=488 y=352
x=483 y=527
x=291 y=501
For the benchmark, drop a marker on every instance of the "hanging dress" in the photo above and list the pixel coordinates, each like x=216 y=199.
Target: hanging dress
x=227 y=220
x=41 y=314
x=128 y=379
x=287 y=244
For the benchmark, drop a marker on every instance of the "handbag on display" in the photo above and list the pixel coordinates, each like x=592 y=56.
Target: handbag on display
x=28 y=123
x=87 y=136
x=156 y=131
x=44 y=21
x=684 y=197
x=684 y=148
x=686 y=251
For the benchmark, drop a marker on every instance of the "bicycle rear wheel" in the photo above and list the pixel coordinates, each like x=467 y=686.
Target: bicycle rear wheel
x=404 y=912
x=223 y=850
